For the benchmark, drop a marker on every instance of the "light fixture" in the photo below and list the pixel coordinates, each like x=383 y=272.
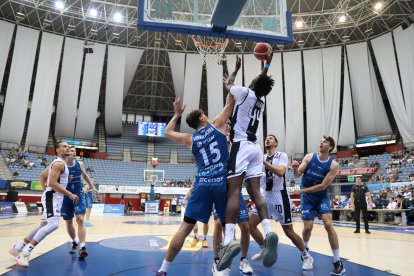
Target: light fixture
x=93 y=13
x=378 y=6
x=299 y=23
x=342 y=18
x=20 y=13
x=368 y=31
x=59 y=5
x=117 y=17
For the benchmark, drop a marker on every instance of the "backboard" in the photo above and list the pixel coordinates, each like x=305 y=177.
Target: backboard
x=254 y=20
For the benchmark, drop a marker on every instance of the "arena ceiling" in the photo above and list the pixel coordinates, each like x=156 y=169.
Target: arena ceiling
x=316 y=23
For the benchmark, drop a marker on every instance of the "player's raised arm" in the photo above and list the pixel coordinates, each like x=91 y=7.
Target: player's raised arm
x=299 y=169
x=178 y=137
x=230 y=80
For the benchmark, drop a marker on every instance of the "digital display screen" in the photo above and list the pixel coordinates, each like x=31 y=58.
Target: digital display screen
x=151 y=129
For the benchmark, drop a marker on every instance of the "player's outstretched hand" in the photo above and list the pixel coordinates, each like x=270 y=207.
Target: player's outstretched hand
x=295 y=164
x=296 y=192
x=238 y=63
x=178 y=108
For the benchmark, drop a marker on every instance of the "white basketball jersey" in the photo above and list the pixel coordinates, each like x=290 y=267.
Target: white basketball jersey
x=246 y=114
x=272 y=182
x=63 y=178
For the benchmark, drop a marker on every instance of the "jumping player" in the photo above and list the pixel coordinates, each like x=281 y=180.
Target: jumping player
x=273 y=189
x=318 y=170
x=209 y=147
x=245 y=162
x=54 y=179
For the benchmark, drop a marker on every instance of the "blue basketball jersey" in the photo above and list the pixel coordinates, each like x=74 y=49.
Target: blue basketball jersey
x=75 y=172
x=209 y=148
x=315 y=172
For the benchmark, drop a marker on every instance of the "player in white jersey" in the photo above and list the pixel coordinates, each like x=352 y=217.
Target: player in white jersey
x=246 y=161
x=273 y=189
x=54 y=179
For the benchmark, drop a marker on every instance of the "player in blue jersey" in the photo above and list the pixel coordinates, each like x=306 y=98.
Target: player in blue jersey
x=209 y=147
x=318 y=170
x=69 y=209
x=89 y=196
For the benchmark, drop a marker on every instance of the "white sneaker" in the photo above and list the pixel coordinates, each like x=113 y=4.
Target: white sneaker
x=245 y=267
x=258 y=256
x=307 y=262
x=23 y=260
x=215 y=272
x=14 y=251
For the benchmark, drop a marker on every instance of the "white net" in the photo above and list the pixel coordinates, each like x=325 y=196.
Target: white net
x=210 y=48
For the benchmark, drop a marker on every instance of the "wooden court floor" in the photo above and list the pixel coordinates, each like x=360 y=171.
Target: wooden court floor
x=383 y=250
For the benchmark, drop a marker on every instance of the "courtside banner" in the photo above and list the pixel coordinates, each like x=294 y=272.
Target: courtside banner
x=20 y=207
x=36 y=186
x=114 y=208
x=6 y=208
x=98 y=208
x=18 y=184
x=2 y=184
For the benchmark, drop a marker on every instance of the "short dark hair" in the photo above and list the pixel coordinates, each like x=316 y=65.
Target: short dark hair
x=262 y=85
x=193 y=118
x=331 y=142
x=59 y=144
x=274 y=136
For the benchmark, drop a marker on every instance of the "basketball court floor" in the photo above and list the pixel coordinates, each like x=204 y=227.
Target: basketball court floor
x=136 y=245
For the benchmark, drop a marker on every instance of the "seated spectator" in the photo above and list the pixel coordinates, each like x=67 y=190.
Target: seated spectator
x=44 y=163
x=407 y=193
x=391 y=204
x=400 y=204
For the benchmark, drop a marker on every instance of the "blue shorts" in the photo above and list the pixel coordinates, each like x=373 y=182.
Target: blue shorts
x=314 y=206
x=243 y=213
x=69 y=209
x=89 y=200
x=204 y=195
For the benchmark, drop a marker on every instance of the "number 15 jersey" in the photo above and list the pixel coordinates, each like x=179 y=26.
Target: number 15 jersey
x=247 y=114
x=209 y=147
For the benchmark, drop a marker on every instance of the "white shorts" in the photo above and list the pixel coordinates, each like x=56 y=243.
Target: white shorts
x=245 y=157
x=278 y=206
x=52 y=204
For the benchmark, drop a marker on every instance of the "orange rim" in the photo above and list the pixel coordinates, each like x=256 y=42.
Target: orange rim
x=218 y=45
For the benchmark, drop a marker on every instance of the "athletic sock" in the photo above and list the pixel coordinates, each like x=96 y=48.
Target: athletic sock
x=203 y=237
x=165 y=265
x=305 y=243
x=195 y=236
x=336 y=255
x=20 y=245
x=82 y=244
x=305 y=253
x=216 y=260
x=76 y=240
x=229 y=233
x=266 y=226
x=28 y=248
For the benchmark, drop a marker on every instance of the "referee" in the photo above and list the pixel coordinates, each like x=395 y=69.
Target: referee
x=358 y=202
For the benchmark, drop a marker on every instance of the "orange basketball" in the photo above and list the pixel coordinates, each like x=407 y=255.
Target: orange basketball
x=262 y=50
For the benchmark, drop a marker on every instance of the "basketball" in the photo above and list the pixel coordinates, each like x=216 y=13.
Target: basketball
x=262 y=50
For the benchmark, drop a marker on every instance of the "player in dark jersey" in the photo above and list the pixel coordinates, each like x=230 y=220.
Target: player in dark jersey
x=318 y=170
x=69 y=209
x=209 y=147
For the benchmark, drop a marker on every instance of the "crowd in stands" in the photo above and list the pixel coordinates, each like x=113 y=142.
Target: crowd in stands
x=348 y=162
x=186 y=183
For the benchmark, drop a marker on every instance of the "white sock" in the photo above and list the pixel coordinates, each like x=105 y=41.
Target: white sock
x=336 y=255
x=75 y=240
x=266 y=226
x=305 y=253
x=195 y=236
x=28 y=248
x=82 y=244
x=203 y=237
x=165 y=265
x=20 y=245
x=229 y=234
x=305 y=243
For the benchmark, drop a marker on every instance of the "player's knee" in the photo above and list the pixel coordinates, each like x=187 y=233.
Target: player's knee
x=52 y=224
x=328 y=225
x=244 y=227
x=307 y=228
x=80 y=220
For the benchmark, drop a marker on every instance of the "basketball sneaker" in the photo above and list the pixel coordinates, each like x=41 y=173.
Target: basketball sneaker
x=338 y=268
x=82 y=253
x=215 y=272
x=245 y=267
x=88 y=224
x=23 y=260
x=161 y=273
x=307 y=262
x=227 y=253
x=258 y=256
x=14 y=251
x=74 y=248
x=194 y=242
x=204 y=244
x=270 y=249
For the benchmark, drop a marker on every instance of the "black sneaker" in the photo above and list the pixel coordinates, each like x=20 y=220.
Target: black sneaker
x=74 y=248
x=367 y=232
x=356 y=232
x=338 y=268
x=82 y=253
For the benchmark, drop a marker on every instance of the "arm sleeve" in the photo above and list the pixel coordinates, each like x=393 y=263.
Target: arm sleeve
x=239 y=91
x=283 y=160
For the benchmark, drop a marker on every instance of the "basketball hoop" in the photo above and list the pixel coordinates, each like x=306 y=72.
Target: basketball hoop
x=210 y=48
